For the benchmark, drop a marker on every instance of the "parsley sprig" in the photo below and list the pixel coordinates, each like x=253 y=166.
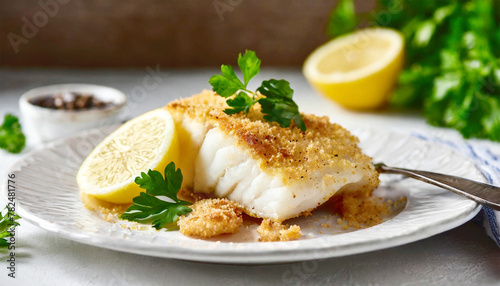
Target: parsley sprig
x=159 y=204
x=12 y=138
x=7 y=222
x=274 y=96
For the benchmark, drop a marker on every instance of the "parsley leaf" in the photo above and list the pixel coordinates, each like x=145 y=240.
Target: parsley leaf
x=282 y=111
x=249 y=64
x=278 y=104
x=241 y=102
x=276 y=89
x=159 y=204
x=7 y=221
x=226 y=84
x=12 y=138
x=274 y=96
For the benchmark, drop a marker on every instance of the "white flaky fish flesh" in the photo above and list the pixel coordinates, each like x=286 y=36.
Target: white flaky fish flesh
x=271 y=171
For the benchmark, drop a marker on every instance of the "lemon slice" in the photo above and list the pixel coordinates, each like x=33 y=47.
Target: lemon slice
x=357 y=70
x=145 y=142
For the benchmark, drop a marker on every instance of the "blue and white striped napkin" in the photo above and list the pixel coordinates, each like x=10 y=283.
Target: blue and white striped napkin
x=488 y=162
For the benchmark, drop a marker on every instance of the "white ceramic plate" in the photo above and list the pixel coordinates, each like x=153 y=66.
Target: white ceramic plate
x=47 y=196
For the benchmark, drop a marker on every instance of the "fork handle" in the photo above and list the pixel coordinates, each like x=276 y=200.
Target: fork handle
x=481 y=193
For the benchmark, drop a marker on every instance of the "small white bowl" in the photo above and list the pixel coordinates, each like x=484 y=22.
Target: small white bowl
x=42 y=124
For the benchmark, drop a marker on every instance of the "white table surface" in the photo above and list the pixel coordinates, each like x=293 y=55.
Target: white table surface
x=462 y=256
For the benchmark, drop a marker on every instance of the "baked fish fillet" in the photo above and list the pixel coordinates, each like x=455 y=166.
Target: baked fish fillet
x=273 y=172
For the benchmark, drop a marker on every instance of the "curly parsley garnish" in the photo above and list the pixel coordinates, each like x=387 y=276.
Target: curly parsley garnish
x=274 y=96
x=12 y=138
x=159 y=204
x=7 y=224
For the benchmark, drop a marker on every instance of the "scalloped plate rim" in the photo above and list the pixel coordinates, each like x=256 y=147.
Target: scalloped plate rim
x=228 y=255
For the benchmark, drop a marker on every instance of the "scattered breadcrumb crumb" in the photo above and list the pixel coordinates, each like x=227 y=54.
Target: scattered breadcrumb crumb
x=276 y=231
x=211 y=217
x=111 y=214
x=325 y=225
x=108 y=211
x=359 y=211
x=306 y=213
x=135 y=226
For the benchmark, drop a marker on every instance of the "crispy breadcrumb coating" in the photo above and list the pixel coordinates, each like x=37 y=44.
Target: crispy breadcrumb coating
x=211 y=217
x=276 y=231
x=285 y=152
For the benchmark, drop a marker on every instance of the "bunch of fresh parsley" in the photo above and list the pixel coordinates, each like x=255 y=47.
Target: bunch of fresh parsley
x=12 y=138
x=452 y=67
x=7 y=221
x=274 y=96
x=159 y=204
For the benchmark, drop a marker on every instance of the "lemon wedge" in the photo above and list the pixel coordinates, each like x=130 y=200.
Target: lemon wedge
x=145 y=142
x=357 y=70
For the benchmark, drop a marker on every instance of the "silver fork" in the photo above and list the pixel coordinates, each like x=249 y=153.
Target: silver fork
x=481 y=193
